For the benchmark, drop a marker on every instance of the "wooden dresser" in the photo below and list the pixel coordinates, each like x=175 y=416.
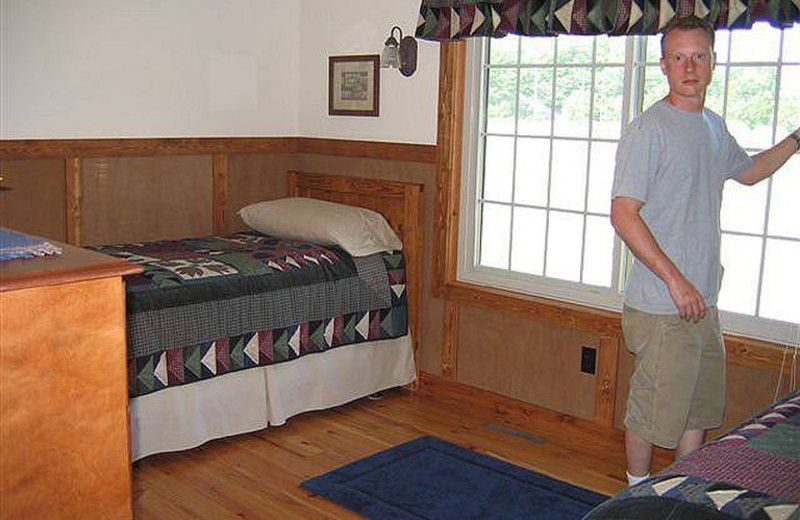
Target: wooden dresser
x=64 y=436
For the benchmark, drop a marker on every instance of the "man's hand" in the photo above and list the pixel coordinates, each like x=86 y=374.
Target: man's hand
x=687 y=299
x=767 y=162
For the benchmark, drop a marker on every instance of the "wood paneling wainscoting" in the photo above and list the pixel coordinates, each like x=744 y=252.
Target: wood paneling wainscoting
x=37 y=198
x=185 y=182
x=522 y=347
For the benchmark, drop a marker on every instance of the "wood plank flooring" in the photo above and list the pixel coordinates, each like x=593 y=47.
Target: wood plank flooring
x=257 y=476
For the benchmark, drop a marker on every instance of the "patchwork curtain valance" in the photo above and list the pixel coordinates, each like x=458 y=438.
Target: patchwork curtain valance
x=445 y=20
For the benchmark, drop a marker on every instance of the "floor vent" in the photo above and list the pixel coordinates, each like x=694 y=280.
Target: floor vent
x=500 y=428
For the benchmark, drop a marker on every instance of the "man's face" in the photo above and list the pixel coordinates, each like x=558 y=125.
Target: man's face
x=687 y=62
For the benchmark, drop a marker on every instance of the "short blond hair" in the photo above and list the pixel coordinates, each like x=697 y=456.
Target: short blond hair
x=687 y=23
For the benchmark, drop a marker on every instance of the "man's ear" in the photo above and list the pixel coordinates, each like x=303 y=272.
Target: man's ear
x=663 y=66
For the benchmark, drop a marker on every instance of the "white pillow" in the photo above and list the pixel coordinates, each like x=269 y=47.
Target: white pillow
x=358 y=231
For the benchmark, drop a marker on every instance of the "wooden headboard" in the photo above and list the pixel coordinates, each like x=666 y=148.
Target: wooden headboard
x=399 y=202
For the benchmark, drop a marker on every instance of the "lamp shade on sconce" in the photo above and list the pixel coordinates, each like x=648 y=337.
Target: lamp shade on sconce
x=390 y=56
x=400 y=53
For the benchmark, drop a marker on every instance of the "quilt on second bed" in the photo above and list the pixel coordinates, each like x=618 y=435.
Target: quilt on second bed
x=751 y=472
x=212 y=305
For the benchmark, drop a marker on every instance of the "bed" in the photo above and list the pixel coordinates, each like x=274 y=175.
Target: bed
x=233 y=333
x=751 y=472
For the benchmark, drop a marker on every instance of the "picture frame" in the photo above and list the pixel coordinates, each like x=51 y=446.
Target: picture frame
x=354 y=85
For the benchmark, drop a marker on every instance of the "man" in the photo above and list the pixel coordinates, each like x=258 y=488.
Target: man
x=672 y=163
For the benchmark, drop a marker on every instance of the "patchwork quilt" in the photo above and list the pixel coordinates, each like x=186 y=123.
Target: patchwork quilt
x=752 y=473
x=213 y=305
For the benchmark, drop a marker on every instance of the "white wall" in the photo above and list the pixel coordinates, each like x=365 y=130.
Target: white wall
x=407 y=105
x=177 y=68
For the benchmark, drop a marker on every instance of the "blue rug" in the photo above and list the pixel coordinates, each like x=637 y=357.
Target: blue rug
x=428 y=478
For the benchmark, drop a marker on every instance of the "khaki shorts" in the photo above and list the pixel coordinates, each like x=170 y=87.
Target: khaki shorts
x=678 y=382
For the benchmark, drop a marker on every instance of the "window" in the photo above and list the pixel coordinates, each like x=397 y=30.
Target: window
x=543 y=119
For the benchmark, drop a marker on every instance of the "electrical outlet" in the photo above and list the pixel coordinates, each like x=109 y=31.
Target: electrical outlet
x=588 y=359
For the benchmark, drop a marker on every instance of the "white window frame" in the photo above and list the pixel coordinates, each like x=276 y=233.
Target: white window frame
x=468 y=269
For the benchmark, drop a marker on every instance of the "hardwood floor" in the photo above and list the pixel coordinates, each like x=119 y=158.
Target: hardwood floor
x=257 y=476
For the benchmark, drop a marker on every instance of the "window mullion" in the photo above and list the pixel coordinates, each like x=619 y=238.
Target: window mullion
x=486 y=70
x=553 y=83
x=635 y=66
x=588 y=158
x=727 y=77
x=514 y=159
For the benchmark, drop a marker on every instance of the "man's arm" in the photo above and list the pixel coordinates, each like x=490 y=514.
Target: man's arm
x=629 y=225
x=767 y=162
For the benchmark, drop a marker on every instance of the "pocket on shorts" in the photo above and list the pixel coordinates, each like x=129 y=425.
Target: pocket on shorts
x=671 y=324
x=637 y=327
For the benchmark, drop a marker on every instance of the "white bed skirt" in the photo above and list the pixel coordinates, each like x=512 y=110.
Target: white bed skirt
x=186 y=416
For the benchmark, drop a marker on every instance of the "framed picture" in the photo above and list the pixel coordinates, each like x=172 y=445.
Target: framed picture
x=353 y=85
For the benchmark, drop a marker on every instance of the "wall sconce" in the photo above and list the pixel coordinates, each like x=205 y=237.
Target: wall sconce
x=400 y=54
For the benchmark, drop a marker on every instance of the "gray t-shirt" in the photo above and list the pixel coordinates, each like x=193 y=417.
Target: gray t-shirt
x=676 y=163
